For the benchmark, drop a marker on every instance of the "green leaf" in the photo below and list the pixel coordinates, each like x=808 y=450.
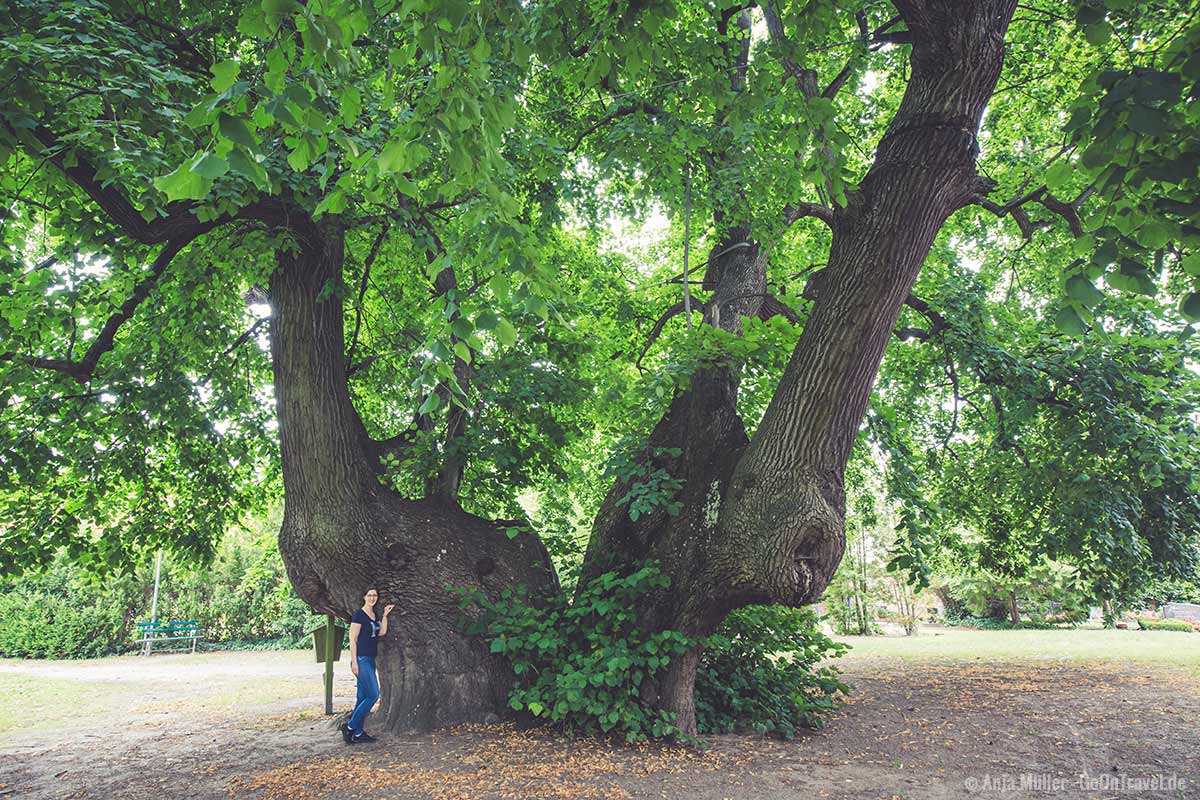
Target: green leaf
x=462 y=351
x=1191 y=264
x=1189 y=307
x=350 y=105
x=210 y=166
x=1139 y=283
x=506 y=333
x=1059 y=174
x=1098 y=32
x=486 y=320
x=241 y=164
x=184 y=184
x=462 y=327
x=225 y=73
x=1147 y=121
x=1081 y=290
x=1069 y=322
x=393 y=158
x=432 y=403
x=236 y=131
x=277 y=10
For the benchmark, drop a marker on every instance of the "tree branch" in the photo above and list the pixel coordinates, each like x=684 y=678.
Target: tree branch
x=245 y=336
x=657 y=330
x=870 y=38
x=806 y=79
x=83 y=370
x=801 y=210
x=772 y=306
x=362 y=291
x=921 y=307
x=1042 y=196
x=179 y=221
x=623 y=111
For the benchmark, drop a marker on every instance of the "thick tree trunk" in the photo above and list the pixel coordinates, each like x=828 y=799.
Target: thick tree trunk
x=763 y=522
x=344 y=531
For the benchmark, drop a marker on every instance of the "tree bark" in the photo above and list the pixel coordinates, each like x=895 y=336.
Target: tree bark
x=344 y=531
x=763 y=520
x=1014 y=613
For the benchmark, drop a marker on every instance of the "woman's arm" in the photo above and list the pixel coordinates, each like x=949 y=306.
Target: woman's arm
x=383 y=622
x=354 y=629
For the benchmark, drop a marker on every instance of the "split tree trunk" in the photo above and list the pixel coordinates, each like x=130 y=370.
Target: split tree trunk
x=343 y=531
x=763 y=520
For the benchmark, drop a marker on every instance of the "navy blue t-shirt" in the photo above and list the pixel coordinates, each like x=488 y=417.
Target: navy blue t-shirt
x=368 y=634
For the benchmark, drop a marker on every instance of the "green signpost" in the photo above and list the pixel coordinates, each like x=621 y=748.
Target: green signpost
x=327 y=643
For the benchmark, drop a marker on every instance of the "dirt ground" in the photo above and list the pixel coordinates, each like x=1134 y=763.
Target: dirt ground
x=248 y=725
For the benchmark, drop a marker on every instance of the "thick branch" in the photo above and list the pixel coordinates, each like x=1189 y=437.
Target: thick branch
x=772 y=306
x=921 y=307
x=802 y=210
x=806 y=79
x=1041 y=195
x=178 y=222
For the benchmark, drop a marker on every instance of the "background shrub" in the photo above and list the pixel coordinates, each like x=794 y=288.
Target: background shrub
x=242 y=600
x=1151 y=624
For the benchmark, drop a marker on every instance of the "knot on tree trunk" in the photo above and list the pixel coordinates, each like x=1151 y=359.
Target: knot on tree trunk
x=782 y=537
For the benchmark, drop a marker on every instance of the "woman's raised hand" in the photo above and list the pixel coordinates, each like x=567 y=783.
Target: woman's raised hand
x=388 y=609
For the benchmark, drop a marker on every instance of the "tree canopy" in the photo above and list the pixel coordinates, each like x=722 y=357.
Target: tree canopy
x=521 y=255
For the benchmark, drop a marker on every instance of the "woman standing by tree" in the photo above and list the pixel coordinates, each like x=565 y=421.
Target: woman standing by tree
x=365 y=631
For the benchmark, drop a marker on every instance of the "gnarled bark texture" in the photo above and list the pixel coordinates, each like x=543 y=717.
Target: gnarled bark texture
x=763 y=519
x=343 y=531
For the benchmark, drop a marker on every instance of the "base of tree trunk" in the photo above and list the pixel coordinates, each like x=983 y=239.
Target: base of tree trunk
x=417 y=554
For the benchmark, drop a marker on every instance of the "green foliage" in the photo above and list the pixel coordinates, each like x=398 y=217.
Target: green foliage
x=761 y=671
x=650 y=486
x=242 y=600
x=1151 y=624
x=63 y=614
x=582 y=666
x=505 y=146
x=1047 y=592
x=957 y=618
x=1166 y=590
x=1080 y=451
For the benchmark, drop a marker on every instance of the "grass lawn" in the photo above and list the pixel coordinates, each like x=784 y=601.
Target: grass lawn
x=52 y=702
x=1078 y=645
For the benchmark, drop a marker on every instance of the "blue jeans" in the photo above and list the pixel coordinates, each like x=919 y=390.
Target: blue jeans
x=368 y=693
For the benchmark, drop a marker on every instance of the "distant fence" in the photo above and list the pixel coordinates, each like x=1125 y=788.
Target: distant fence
x=1189 y=611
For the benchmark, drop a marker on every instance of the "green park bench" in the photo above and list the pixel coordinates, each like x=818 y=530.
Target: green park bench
x=175 y=631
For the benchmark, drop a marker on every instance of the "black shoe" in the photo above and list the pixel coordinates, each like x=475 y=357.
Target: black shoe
x=347 y=737
x=363 y=738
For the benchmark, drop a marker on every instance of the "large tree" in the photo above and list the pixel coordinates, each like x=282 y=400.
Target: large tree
x=393 y=191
